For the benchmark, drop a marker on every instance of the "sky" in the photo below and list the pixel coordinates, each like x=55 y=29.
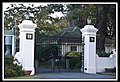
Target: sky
x=56 y=14
x=5 y=5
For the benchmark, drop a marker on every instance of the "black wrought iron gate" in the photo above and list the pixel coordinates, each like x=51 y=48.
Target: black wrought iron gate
x=58 y=54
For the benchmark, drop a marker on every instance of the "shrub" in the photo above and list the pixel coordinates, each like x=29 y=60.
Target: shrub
x=11 y=69
x=72 y=54
x=75 y=63
x=103 y=54
x=75 y=59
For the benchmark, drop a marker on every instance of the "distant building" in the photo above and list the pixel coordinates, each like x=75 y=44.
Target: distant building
x=70 y=39
x=74 y=32
x=9 y=42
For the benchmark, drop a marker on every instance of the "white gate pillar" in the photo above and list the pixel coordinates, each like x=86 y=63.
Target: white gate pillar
x=27 y=29
x=89 y=34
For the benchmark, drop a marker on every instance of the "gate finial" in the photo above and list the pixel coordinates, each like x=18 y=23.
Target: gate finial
x=27 y=16
x=89 y=20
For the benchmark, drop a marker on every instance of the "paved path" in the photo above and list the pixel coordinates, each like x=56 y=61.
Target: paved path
x=69 y=75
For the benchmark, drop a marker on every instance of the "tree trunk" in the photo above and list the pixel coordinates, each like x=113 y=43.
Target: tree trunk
x=102 y=27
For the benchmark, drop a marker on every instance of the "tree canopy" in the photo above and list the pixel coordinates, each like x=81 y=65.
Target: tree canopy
x=103 y=17
x=14 y=15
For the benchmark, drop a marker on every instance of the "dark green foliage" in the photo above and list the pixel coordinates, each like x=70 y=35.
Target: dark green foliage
x=75 y=59
x=75 y=63
x=62 y=63
x=72 y=54
x=40 y=15
x=103 y=54
x=106 y=24
x=77 y=14
x=46 y=51
x=11 y=69
x=55 y=8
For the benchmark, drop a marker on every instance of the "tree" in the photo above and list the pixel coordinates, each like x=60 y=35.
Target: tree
x=111 y=21
x=103 y=23
x=49 y=24
x=41 y=15
x=111 y=24
x=103 y=17
x=77 y=14
x=14 y=15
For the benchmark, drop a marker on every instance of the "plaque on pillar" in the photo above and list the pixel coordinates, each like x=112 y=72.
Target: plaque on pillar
x=29 y=36
x=92 y=39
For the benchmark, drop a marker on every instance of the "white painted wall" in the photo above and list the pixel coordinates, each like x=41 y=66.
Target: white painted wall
x=105 y=62
x=101 y=62
x=66 y=47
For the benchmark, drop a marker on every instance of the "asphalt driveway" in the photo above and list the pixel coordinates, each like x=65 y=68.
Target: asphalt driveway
x=74 y=75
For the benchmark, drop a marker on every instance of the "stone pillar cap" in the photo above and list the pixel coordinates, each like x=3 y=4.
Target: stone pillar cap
x=89 y=28
x=27 y=24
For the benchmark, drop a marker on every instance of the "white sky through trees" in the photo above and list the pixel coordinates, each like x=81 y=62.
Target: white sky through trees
x=56 y=14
